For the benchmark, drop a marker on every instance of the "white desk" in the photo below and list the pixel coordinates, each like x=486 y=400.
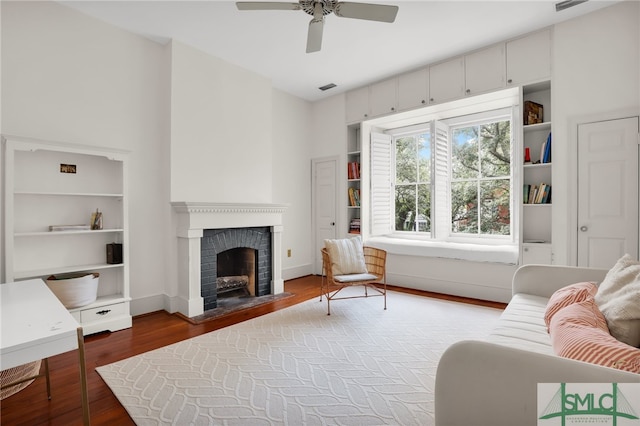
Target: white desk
x=35 y=325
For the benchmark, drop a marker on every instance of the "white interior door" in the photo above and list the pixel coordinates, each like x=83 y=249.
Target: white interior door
x=324 y=206
x=607 y=191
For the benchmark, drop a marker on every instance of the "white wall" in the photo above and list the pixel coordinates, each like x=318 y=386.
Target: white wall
x=67 y=77
x=292 y=179
x=596 y=75
x=221 y=130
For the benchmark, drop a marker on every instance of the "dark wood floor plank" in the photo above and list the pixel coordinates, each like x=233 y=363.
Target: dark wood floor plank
x=151 y=331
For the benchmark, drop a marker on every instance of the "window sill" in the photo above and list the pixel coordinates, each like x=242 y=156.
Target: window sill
x=505 y=253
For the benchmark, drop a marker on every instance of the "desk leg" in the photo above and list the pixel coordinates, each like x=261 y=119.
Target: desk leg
x=83 y=379
x=46 y=373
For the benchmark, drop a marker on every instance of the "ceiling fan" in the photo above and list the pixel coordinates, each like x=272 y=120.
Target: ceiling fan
x=319 y=8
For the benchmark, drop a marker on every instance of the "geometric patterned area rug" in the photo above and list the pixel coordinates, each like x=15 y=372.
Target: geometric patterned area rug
x=361 y=365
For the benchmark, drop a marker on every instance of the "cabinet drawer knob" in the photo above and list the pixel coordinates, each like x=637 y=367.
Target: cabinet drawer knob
x=431 y=99
x=510 y=81
x=468 y=90
x=393 y=108
x=424 y=102
x=103 y=312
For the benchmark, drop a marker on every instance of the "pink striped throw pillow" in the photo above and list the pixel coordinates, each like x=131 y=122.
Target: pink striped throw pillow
x=579 y=331
x=568 y=295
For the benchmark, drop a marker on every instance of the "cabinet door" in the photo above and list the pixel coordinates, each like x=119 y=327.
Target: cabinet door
x=446 y=80
x=529 y=58
x=413 y=89
x=384 y=97
x=536 y=254
x=357 y=104
x=485 y=70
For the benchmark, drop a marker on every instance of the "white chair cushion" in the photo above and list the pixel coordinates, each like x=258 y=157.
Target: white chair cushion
x=347 y=256
x=349 y=278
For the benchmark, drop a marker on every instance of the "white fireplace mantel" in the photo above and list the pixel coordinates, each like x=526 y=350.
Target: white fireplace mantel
x=194 y=217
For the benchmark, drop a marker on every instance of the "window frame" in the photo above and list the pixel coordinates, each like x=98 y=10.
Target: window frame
x=440 y=182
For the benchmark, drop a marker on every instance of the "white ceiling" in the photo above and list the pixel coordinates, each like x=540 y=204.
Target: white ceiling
x=354 y=52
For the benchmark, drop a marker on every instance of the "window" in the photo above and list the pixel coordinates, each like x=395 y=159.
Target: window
x=449 y=179
x=413 y=165
x=481 y=179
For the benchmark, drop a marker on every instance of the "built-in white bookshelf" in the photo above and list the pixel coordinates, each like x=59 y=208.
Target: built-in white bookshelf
x=56 y=184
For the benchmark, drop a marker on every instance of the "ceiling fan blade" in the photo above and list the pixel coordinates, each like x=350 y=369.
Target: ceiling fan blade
x=314 y=37
x=259 y=5
x=368 y=11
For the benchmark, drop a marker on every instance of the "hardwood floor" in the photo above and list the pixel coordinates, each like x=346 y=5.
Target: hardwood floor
x=31 y=407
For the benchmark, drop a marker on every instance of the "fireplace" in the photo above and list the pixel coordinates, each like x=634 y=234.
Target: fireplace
x=235 y=261
x=232 y=226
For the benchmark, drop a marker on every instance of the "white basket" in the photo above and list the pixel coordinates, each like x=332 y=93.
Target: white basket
x=75 y=291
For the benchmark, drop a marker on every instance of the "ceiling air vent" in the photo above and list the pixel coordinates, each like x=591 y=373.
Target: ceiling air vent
x=327 y=87
x=566 y=4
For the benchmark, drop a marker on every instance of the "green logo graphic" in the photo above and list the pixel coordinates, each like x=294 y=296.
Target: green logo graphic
x=614 y=405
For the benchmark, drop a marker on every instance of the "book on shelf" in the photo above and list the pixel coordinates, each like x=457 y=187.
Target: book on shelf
x=545 y=151
x=58 y=228
x=536 y=194
x=354 y=197
x=353 y=170
x=354 y=226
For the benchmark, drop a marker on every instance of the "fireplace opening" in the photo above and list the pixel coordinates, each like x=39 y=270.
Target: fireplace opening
x=236 y=273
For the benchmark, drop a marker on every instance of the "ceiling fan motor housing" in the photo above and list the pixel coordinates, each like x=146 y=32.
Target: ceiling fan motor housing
x=328 y=6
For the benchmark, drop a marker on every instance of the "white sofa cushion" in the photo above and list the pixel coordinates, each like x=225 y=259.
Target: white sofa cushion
x=522 y=325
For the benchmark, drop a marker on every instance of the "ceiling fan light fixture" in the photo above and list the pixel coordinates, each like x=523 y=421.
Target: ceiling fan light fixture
x=566 y=4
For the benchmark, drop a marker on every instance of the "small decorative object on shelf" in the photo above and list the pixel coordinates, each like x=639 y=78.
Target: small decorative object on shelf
x=527 y=156
x=532 y=113
x=96 y=220
x=114 y=253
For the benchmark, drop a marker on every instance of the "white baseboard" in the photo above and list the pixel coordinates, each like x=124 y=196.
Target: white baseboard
x=297 y=271
x=147 y=304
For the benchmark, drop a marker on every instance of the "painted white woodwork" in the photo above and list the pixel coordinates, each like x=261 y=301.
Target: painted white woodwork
x=353 y=155
x=529 y=58
x=324 y=205
x=194 y=217
x=38 y=194
x=413 y=89
x=535 y=253
x=384 y=97
x=357 y=104
x=485 y=70
x=607 y=191
x=536 y=219
x=446 y=80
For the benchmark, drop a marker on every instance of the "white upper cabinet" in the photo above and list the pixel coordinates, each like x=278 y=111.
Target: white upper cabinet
x=446 y=80
x=413 y=89
x=357 y=107
x=384 y=97
x=529 y=58
x=485 y=70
